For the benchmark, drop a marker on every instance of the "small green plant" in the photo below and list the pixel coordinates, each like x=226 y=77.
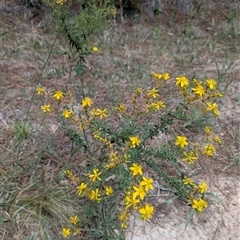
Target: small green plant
x=79 y=20
x=21 y=131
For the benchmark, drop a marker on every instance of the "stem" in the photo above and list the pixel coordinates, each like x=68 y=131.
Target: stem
x=81 y=61
x=39 y=79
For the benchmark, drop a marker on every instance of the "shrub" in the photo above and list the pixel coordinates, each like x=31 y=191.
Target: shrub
x=117 y=141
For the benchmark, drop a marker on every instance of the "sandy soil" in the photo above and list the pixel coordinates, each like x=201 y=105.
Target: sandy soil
x=220 y=221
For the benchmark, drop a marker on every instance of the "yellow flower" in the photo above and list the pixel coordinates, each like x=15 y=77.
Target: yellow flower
x=210 y=106
x=202 y=188
x=71 y=176
x=74 y=220
x=81 y=188
x=138 y=91
x=124 y=225
x=211 y=84
x=95 y=195
x=213 y=107
x=208 y=130
x=166 y=76
x=198 y=83
x=113 y=156
x=95 y=49
x=86 y=102
x=131 y=200
x=181 y=141
x=203 y=203
x=209 y=150
x=147 y=183
x=188 y=181
x=199 y=90
x=153 y=93
x=218 y=94
x=67 y=113
x=67 y=172
x=58 y=95
x=40 y=90
x=66 y=232
x=146 y=211
x=95 y=175
x=157 y=75
x=157 y=105
x=217 y=139
x=123 y=216
x=190 y=157
x=199 y=204
x=139 y=191
x=108 y=190
x=99 y=113
x=135 y=141
x=136 y=169
x=121 y=108
x=46 y=108
x=109 y=166
x=182 y=81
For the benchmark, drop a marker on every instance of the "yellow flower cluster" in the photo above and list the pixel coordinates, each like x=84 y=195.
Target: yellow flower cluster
x=133 y=198
x=137 y=193
x=74 y=230
x=196 y=197
x=120 y=153
x=199 y=204
x=196 y=191
x=199 y=93
x=62 y=103
x=146 y=101
x=158 y=76
x=189 y=156
x=87 y=188
x=208 y=149
x=73 y=177
x=99 y=113
x=141 y=185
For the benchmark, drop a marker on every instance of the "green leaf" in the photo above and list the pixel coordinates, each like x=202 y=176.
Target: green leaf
x=4 y=219
x=79 y=69
x=213 y=196
x=189 y=218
